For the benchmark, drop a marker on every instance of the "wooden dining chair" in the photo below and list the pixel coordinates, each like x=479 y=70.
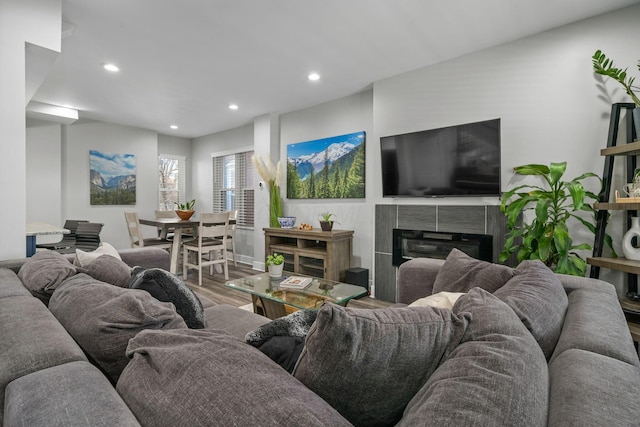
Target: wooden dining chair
x=165 y=233
x=231 y=236
x=136 y=237
x=209 y=248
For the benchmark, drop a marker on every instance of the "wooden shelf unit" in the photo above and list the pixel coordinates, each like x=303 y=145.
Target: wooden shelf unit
x=313 y=252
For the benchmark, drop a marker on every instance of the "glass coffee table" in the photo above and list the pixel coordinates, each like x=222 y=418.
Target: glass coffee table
x=273 y=301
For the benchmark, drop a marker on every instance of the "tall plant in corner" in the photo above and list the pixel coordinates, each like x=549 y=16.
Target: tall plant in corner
x=272 y=175
x=604 y=66
x=546 y=236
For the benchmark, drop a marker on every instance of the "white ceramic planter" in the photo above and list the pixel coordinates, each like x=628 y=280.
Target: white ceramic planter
x=275 y=271
x=629 y=251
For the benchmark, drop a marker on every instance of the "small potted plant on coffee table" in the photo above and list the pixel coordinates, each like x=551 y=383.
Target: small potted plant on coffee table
x=275 y=264
x=185 y=210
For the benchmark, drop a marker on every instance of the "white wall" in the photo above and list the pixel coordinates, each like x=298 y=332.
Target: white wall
x=38 y=22
x=543 y=88
x=109 y=138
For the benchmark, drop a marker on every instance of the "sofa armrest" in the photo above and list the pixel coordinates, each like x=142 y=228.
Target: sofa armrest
x=148 y=257
x=416 y=277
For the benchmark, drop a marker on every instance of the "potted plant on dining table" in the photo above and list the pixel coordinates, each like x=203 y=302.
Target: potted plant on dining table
x=185 y=210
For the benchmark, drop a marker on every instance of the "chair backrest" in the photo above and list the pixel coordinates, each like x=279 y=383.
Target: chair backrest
x=213 y=225
x=72 y=226
x=166 y=214
x=133 y=226
x=88 y=236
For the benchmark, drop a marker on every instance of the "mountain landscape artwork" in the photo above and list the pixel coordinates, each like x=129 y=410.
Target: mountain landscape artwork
x=329 y=168
x=112 y=178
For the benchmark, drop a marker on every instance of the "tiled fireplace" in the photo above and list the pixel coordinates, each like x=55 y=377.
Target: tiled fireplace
x=448 y=221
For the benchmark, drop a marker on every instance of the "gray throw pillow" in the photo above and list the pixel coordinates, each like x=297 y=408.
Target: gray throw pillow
x=497 y=376
x=108 y=269
x=204 y=377
x=43 y=272
x=461 y=272
x=102 y=318
x=368 y=364
x=167 y=287
x=536 y=295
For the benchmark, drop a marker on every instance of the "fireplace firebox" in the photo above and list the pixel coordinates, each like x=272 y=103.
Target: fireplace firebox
x=409 y=244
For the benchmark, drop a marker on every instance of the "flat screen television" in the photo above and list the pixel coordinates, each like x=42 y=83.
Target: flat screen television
x=462 y=160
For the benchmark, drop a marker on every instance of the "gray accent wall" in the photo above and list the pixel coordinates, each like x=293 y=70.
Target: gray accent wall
x=480 y=219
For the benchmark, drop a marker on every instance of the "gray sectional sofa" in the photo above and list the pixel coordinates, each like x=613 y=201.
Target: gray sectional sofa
x=519 y=347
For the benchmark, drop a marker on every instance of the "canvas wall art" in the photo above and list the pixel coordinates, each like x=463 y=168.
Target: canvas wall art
x=112 y=178
x=329 y=168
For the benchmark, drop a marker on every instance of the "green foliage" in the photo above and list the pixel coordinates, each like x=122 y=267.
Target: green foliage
x=604 y=66
x=547 y=237
x=275 y=259
x=326 y=217
x=112 y=196
x=186 y=206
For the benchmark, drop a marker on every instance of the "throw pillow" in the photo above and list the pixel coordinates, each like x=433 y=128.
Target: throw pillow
x=537 y=296
x=110 y=270
x=441 y=299
x=461 y=272
x=368 y=364
x=84 y=258
x=42 y=273
x=497 y=376
x=205 y=377
x=167 y=287
x=103 y=318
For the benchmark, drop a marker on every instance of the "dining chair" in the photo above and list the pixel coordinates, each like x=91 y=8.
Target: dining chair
x=87 y=238
x=136 y=237
x=165 y=233
x=209 y=248
x=67 y=239
x=231 y=235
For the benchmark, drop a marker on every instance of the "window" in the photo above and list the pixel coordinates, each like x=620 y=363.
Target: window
x=233 y=181
x=172 y=181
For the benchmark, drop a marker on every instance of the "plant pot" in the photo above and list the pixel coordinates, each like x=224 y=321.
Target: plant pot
x=326 y=225
x=185 y=215
x=275 y=271
x=636 y=121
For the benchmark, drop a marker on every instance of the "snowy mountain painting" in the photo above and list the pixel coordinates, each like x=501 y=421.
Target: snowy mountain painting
x=329 y=168
x=112 y=178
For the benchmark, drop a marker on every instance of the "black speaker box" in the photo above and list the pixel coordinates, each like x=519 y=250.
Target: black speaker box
x=357 y=276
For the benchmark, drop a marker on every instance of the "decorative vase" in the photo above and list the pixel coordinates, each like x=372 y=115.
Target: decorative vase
x=635 y=113
x=629 y=251
x=275 y=205
x=185 y=215
x=326 y=225
x=275 y=271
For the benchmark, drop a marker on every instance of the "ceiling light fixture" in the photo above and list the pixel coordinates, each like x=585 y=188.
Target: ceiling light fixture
x=173 y=127
x=233 y=107
x=313 y=77
x=111 y=67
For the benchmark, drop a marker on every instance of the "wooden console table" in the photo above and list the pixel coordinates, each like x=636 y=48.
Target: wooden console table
x=313 y=252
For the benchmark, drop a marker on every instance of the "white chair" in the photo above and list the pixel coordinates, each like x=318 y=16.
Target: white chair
x=165 y=233
x=231 y=236
x=210 y=247
x=135 y=234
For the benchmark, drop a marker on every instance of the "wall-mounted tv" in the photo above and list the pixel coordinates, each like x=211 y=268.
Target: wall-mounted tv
x=462 y=160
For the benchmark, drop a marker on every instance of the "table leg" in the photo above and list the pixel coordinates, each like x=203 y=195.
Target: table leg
x=31 y=246
x=175 y=250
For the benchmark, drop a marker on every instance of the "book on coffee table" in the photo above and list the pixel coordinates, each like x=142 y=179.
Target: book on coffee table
x=295 y=282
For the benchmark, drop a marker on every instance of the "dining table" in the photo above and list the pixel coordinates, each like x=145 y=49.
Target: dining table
x=35 y=229
x=176 y=226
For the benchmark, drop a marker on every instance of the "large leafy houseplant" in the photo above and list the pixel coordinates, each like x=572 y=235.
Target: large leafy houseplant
x=546 y=237
x=604 y=66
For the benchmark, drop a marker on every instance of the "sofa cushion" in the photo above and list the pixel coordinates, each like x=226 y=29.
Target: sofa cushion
x=102 y=318
x=167 y=287
x=441 y=299
x=72 y=394
x=497 y=376
x=368 y=364
x=589 y=389
x=538 y=298
x=11 y=285
x=108 y=269
x=460 y=272
x=43 y=272
x=83 y=258
x=203 y=377
x=31 y=340
x=233 y=320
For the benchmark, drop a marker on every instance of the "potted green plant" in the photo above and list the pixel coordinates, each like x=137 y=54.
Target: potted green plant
x=604 y=66
x=185 y=210
x=275 y=264
x=326 y=223
x=546 y=236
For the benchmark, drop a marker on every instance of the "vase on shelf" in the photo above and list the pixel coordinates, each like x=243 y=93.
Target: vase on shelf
x=275 y=205
x=630 y=251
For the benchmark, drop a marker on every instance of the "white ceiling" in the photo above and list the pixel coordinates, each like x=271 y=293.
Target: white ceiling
x=183 y=62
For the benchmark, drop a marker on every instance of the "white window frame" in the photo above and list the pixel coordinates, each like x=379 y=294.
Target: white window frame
x=182 y=185
x=244 y=197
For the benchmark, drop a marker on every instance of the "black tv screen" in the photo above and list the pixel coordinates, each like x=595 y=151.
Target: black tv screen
x=462 y=160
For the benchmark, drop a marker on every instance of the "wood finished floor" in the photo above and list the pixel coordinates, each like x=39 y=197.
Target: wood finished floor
x=214 y=289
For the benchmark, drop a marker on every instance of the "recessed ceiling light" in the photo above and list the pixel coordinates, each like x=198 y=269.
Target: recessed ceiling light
x=233 y=107
x=111 y=67
x=313 y=77
x=173 y=127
